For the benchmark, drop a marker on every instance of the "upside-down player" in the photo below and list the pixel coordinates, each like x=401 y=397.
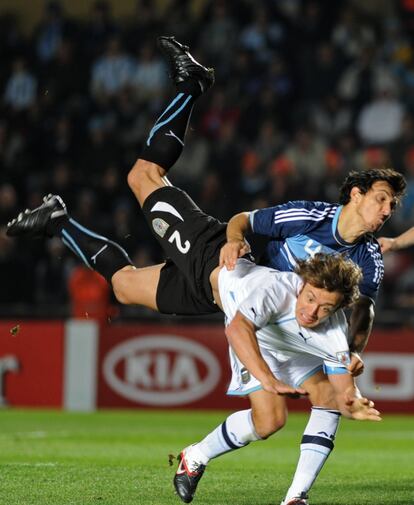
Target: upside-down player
x=172 y=287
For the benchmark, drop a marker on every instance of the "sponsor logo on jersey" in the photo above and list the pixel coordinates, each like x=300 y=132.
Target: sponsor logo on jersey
x=160 y=226
x=303 y=336
x=161 y=370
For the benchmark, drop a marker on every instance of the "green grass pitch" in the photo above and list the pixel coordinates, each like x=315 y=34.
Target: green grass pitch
x=121 y=458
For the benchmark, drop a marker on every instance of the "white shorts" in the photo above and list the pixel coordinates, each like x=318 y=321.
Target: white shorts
x=293 y=371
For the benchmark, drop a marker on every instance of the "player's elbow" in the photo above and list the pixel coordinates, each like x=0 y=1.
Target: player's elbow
x=229 y=332
x=233 y=335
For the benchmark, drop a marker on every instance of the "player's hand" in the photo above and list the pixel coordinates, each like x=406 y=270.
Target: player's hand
x=356 y=367
x=386 y=244
x=362 y=409
x=231 y=251
x=273 y=385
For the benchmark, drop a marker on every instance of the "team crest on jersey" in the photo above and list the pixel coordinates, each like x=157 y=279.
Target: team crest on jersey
x=344 y=357
x=160 y=226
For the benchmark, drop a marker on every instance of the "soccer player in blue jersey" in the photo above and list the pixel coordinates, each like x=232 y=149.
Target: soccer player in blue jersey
x=178 y=286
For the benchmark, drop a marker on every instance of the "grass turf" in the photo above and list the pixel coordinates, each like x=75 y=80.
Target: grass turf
x=121 y=458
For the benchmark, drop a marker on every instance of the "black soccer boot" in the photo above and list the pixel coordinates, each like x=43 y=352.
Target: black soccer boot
x=34 y=223
x=187 y=476
x=182 y=65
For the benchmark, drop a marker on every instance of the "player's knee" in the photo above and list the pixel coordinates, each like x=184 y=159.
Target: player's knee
x=120 y=282
x=144 y=174
x=266 y=426
x=323 y=396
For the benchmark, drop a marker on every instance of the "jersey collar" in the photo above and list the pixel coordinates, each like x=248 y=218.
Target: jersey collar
x=335 y=231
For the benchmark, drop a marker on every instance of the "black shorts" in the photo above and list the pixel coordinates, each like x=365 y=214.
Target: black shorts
x=191 y=241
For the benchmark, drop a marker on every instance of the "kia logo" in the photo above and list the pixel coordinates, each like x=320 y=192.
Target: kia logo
x=161 y=370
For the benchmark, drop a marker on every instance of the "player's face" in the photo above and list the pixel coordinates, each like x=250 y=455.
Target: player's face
x=375 y=206
x=314 y=305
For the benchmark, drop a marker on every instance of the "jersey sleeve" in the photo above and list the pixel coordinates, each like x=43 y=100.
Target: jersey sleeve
x=333 y=368
x=285 y=220
x=372 y=267
x=340 y=354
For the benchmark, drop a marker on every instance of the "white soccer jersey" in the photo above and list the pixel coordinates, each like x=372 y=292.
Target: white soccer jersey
x=267 y=298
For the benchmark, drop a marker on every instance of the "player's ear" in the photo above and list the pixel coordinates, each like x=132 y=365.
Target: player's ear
x=355 y=194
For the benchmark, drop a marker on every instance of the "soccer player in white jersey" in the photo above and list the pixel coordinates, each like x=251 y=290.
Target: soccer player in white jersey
x=192 y=241
x=281 y=326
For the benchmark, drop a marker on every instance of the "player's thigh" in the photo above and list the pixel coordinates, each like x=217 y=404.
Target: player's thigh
x=137 y=286
x=176 y=295
x=269 y=412
x=321 y=393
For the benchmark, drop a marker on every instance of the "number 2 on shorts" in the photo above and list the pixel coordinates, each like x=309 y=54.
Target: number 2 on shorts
x=176 y=237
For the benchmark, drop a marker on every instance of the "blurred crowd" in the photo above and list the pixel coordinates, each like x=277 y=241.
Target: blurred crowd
x=305 y=91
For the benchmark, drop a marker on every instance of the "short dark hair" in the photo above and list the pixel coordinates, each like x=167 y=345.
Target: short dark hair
x=334 y=273
x=364 y=180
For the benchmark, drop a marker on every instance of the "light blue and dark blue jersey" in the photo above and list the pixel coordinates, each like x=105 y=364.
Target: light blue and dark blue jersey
x=300 y=229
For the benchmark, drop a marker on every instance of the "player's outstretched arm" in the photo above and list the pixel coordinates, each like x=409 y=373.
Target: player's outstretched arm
x=362 y=318
x=404 y=240
x=241 y=335
x=349 y=400
x=236 y=246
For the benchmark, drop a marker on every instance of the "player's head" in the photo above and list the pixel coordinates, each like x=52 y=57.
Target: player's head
x=330 y=282
x=373 y=195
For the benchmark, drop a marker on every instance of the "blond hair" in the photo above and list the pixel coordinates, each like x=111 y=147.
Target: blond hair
x=334 y=273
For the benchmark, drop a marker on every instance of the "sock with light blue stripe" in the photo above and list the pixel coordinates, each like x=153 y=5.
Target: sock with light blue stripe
x=317 y=443
x=95 y=251
x=165 y=141
x=236 y=432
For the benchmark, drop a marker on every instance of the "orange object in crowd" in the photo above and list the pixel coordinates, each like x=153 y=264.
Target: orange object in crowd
x=89 y=294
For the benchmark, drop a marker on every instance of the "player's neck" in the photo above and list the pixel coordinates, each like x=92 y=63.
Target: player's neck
x=350 y=226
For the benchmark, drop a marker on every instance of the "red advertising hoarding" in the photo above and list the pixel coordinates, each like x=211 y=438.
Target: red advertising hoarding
x=31 y=363
x=182 y=366
x=174 y=366
x=77 y=365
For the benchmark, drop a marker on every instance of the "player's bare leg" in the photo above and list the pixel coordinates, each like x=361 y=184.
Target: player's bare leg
x=269 y=412
x=137 y=286
x=267 y=415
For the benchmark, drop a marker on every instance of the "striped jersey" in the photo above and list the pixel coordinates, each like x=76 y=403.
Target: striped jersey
x=267 y=298
x=300 y=229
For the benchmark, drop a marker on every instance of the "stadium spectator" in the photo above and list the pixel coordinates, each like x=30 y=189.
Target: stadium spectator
x=112 y=72
x=380 y=121
x=149 y=78
x=21 y=87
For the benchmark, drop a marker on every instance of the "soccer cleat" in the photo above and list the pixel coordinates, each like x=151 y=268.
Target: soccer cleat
x=297 y=500
x=183 y=66
x=188 y=474
x=32 y=223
